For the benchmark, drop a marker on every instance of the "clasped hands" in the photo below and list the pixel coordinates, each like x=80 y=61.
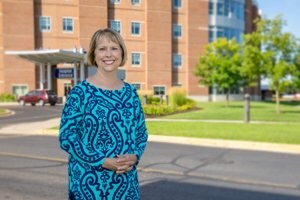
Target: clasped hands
x=121 y=164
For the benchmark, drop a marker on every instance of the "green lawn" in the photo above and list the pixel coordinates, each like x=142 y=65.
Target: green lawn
x=274 y=133
x=275 y=128
x=269 y=126
x=260 y=111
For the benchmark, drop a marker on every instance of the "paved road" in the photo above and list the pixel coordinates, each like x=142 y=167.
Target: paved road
x=34 y=168
x=30 y=114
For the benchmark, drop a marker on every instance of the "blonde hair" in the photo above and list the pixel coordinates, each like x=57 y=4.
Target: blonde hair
x=113 y=36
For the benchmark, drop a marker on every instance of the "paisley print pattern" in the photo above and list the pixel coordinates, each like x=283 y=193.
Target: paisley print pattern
x=96 y=124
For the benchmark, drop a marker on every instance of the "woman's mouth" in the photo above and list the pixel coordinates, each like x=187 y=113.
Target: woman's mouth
x=108 y=62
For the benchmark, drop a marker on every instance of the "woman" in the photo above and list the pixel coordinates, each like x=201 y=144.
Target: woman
x=103 y=127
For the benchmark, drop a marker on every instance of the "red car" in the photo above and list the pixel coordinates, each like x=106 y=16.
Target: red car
x=40 y=97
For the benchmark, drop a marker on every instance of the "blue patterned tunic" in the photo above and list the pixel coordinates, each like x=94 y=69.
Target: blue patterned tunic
x=97 y=124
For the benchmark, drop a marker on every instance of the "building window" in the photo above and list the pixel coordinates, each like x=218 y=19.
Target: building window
x=177 y=84
x=116 y=25
x=177 y=60
x=135 y=28
x=176 y=4
x=135 y=58
x=220 y=31
x=68 y=24
x=137 y=86
x=19 y=90
x=228 y=8
x=45 y=23
x=220 y=8
x=226 y=32
x=135 y=2
x=159 y=90
x=239 y=7
x=211 y=36
x=115 y=1
x=211 y=8
x=177 y=31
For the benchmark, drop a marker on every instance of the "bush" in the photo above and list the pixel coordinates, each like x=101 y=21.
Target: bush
x=7 y=98
x=188 y=106
x=152 y=100
x=178 y=102
x=178 y=97
x=157 y=110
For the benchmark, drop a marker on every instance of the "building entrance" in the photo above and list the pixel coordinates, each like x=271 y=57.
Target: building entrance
x=48 y=61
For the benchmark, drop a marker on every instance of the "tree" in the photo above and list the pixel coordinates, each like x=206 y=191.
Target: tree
x=252 y=64
x=277 y=57
x=220 y=65
x=296 y=60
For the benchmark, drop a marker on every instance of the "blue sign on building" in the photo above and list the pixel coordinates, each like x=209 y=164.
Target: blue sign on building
x=67 y=73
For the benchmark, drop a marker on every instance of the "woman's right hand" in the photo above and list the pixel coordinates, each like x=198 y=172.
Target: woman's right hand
x=121 y=164
x=110 y=163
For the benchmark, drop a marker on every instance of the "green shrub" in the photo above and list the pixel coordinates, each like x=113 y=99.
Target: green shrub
x=190 y=104
x=152 y=100
x=7 y=98
x=157 y=110
x=178 y=97
x=178 y=102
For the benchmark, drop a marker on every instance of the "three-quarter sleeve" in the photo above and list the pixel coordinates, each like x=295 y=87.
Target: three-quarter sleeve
x=72 y=130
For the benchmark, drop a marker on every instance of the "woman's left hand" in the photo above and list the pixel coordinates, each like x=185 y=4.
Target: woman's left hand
x=125 y=163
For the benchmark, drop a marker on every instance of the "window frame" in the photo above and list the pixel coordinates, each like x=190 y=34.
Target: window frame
x=117 y=22
x=133 y=56
x=177 y=84
x=115 y=1
x=134 y=28
x=177 y=28
x=136 y=85
x=49 y=20
x=160 y=92
x=135 y=2
x=72 y=25
x=211 y=8
x=174 y=63
x=15 y=88
x=177 y=4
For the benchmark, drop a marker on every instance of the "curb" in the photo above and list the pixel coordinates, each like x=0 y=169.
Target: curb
x=7 y=113
x=9 y=104
x=39 y=128
x=215 y=143
x=231 y=144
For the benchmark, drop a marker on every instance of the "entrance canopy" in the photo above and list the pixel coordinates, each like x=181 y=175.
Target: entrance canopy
x=52 y=57
x=49 y=58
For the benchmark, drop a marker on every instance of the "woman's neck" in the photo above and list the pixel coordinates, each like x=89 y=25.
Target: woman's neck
x=106 y=80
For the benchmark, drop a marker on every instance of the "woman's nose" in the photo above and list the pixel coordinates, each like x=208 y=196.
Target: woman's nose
x=108 y=52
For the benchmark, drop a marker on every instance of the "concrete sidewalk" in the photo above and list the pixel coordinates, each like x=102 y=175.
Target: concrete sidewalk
x=42 y=128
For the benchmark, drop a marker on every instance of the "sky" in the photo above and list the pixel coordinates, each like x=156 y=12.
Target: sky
x=288 y=8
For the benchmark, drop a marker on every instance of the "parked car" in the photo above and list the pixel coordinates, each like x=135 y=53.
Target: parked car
x=40 y=97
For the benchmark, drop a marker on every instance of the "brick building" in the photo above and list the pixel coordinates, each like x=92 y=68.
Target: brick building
x=164 y=39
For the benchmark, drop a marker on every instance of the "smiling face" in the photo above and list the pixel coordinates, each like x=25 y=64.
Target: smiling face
x=98 y=38
x=108 y=54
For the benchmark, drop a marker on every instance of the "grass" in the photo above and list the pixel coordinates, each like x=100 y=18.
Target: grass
x=271 y=127
x=260 y=111
x=285 y=127
x=273 y=133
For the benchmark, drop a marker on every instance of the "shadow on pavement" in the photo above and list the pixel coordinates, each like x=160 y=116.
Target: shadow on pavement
x=165 y=190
